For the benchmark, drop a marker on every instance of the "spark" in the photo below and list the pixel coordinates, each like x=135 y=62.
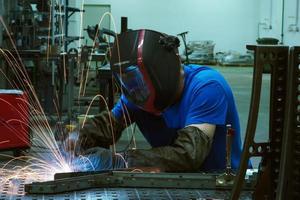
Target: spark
x=84 y=82
x=5 y=141
x=110 y=118
x=47 y=155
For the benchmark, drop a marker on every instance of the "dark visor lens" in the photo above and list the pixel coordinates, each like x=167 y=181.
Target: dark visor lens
x=134 y=84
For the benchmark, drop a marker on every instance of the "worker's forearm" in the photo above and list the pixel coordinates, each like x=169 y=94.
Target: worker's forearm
x=101 y=130
x=187 y=153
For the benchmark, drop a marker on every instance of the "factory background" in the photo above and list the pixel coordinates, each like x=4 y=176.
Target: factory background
x=57 y=46
x=231 y=24
x=224 y=28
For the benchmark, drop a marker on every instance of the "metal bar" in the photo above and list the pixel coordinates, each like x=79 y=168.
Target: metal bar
x=277 y=58
x=77 y=174
x=251 y=126
x=72 y=65
x=131 y=180
x=282 y=22
x=279 y=61
x=229 y=134
x=124 y=24
x=291 y=130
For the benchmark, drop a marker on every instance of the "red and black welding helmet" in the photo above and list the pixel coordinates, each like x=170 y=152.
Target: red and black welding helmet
x=147 y=66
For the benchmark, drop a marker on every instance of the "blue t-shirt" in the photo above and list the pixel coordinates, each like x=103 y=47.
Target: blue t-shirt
x=206 y=98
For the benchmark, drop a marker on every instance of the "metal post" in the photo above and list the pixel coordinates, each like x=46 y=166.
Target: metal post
x=123 y=24
x=229 y=134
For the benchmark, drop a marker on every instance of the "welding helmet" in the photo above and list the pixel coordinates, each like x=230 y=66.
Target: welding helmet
x=147 y=66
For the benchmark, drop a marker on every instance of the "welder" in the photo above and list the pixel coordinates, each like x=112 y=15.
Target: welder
x=182 y=111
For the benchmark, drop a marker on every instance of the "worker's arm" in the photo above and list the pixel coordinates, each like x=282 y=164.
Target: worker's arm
x=101 y=130
x=106 y=128
x=187 y=153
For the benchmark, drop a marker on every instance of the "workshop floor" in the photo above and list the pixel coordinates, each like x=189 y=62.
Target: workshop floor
x=240 y=80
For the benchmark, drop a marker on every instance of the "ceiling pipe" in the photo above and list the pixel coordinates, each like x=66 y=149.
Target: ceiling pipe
x=295 y=26
x=271 y=14
x=265 y=25
x=297 y=13
x=282 y=23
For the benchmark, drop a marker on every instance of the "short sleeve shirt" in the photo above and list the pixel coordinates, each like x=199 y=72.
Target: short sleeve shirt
x=206 y=98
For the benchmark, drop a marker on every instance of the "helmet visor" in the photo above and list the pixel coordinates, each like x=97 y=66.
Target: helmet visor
x=134 y=85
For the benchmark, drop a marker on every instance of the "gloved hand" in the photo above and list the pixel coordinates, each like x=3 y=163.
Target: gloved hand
x=101 y=130
x=70 y=143
x=97 y=158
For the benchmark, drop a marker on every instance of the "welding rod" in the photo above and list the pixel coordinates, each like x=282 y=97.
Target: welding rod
x=229 y=134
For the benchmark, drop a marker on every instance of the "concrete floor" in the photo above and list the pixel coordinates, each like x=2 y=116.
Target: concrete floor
x=240 y=80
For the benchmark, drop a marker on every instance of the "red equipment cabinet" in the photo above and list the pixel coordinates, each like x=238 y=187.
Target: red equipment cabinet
x=14 y=120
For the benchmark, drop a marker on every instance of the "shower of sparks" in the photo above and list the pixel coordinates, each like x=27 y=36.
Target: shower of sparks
x=84 y=81
x=48 y=154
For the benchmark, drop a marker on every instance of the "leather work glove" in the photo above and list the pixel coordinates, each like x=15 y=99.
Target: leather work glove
x=101 y=130
x=187 y=153
x=96 y=159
